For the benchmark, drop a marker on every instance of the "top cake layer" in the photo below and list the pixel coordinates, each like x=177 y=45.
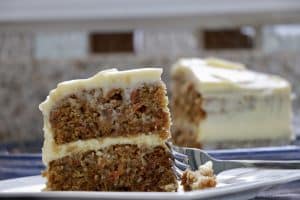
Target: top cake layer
x=106 y=79
x=214 y=75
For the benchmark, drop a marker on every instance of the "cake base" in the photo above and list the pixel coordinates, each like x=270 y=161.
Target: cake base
x=116 y=168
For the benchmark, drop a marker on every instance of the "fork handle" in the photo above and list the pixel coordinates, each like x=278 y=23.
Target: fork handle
x=274 y=164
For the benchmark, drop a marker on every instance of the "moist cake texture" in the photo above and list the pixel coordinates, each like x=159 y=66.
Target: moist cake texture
x=108 y=133
x=89 y=114
x=220 y=104
x=116 y=168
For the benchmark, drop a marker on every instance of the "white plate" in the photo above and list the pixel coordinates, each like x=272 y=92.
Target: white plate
x=232 y=184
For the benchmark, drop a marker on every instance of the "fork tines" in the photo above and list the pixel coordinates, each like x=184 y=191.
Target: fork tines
x=180 y=160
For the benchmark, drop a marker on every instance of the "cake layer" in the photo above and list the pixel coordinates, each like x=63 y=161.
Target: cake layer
x=115 y=168
x=90 y=114
x=53 y=151
x=219 y=104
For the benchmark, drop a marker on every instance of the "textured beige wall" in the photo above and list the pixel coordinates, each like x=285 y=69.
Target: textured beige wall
x=26 y=81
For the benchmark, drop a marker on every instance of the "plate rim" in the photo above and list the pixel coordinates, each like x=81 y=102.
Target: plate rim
x=207 y=193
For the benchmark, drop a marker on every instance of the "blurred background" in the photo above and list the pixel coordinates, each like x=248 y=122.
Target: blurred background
x=45 y=42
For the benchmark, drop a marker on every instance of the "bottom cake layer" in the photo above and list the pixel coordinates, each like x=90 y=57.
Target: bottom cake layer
x=116 y=168
x=188 y=138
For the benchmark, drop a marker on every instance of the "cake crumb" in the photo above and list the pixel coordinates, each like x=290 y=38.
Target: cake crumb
x=200 y=179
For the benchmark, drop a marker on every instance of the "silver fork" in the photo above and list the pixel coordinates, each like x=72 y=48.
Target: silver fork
x=191 y=158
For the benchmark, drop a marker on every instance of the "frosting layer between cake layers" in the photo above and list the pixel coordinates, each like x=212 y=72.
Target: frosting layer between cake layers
x=239 y=104
x=106 y=80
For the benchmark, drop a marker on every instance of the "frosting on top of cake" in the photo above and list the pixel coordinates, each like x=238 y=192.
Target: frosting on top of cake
x=214 y=75
x=107 y=80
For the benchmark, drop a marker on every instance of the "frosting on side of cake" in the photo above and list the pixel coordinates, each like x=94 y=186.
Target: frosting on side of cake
x=240 y=105
x=107 y=80
x=262 y=118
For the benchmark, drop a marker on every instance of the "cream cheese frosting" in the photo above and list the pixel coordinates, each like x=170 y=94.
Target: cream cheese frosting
x=211 y=76
x=52 y=151
x=107 y=80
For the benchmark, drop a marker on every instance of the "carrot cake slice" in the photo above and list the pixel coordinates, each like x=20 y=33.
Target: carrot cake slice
x=108 y=133
x=221 y=104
